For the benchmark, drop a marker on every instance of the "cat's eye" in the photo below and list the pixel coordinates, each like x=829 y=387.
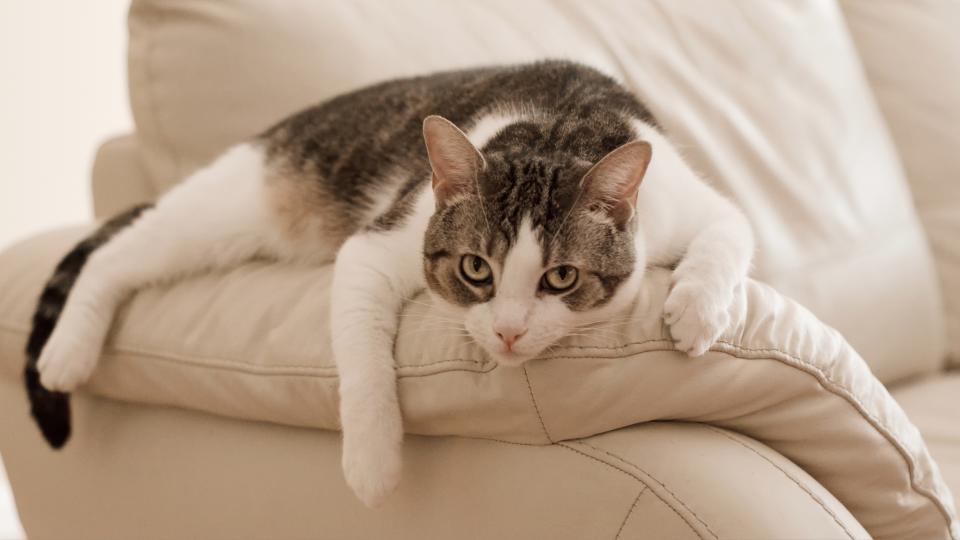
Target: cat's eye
x=475 y=270
x=559 y=279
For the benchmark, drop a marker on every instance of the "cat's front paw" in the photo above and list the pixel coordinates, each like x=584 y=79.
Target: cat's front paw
x=697 y=315
x=372 y=468
x=67 y=360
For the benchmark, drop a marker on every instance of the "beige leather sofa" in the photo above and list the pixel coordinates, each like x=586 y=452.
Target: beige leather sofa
x=212 y=412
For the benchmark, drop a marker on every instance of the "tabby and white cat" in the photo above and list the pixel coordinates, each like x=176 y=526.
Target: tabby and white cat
x=537 y=218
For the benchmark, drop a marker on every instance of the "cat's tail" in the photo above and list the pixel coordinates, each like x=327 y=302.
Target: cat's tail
x=51 y=410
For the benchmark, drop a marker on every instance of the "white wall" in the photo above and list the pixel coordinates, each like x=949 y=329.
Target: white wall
x=62 y=91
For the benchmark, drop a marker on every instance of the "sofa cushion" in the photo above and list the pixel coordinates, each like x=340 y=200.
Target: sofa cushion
x=253 y=344
x=911 y=51
x=932 y=405
x=770 y=103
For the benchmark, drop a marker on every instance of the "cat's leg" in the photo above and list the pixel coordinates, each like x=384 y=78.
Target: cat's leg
x=716 y=262
x=685 y=219
x=375 y=271
x=215 y=219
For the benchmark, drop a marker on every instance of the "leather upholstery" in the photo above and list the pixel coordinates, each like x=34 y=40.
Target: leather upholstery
x=911 y=53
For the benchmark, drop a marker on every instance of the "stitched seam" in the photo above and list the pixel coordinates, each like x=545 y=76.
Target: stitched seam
x=642 y=483
x=247 y=367
x=535 y=445
x=661 y=484
x=284 y=371
x=629 y=513
x=536 y=408
x=805 y=489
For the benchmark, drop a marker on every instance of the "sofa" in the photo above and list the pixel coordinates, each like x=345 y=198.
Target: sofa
x=829 y=409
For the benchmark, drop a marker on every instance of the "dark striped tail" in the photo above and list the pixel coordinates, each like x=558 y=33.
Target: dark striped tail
x=51 y=410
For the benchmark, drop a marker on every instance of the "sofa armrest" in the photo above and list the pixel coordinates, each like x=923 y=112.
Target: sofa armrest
x=119 y=179
x=141 y=471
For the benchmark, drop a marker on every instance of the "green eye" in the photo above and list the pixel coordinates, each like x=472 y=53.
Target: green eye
x=559 y=279
x=475 y=270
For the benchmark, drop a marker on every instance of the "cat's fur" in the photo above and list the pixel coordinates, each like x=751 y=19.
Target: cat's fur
x=547 y=174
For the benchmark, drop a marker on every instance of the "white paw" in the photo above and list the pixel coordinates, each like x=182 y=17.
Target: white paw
x=67 y=360
x=697 y=315
x=372 y=466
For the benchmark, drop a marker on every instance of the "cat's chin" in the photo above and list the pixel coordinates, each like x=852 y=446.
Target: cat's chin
x=511 y=359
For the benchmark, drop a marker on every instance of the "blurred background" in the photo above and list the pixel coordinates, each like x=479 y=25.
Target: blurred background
x=63 y=90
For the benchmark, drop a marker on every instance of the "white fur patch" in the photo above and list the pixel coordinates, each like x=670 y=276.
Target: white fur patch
x=522 y=266
x=385 y=194
x=489 y=125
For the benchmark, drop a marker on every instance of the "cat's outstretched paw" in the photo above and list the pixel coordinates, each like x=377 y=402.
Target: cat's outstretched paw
x=371 y=470
x=372 y=457
x=67 y=360
x=697 y=315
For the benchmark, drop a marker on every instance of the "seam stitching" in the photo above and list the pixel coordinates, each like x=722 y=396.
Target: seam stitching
x=629 y=513
x=536 y=407
x=842 y=392
x=805 y=489
x=661 y=484
x=642 y=483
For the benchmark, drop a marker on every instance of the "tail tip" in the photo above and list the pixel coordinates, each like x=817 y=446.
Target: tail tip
x=54 y=422
x=51 y=410
x=55 y=431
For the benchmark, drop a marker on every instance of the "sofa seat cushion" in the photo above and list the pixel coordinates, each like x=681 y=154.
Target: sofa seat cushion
x=253 y=344
x=932 y=406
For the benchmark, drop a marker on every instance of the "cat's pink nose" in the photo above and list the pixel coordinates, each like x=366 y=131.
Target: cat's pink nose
x=509 y=334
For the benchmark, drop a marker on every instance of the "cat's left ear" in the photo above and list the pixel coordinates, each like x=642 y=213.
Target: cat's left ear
x=453 y=158
x=611 y=185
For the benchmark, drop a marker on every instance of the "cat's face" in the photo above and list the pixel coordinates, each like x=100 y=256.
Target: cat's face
x=528 y=248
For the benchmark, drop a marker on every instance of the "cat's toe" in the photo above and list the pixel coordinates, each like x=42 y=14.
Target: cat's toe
x=64 y=366
x=696 y=317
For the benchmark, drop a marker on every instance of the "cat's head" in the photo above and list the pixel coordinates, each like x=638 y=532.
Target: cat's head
x=527 y=248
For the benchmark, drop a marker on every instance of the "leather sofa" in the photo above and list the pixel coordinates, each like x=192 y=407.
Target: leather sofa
x=213 y=414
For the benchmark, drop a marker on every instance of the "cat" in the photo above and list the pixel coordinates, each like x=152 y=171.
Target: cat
x=527 y=200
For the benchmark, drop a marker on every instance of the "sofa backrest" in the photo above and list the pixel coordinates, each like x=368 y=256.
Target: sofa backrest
x=911 y=52
x=769 y=103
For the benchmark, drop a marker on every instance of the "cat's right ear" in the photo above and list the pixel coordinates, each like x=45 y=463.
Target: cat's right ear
x=453 y=158
x=611 y=185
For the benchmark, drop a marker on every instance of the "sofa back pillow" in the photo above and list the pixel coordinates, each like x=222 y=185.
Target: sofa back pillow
x=911 y=52
x=769 y=103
